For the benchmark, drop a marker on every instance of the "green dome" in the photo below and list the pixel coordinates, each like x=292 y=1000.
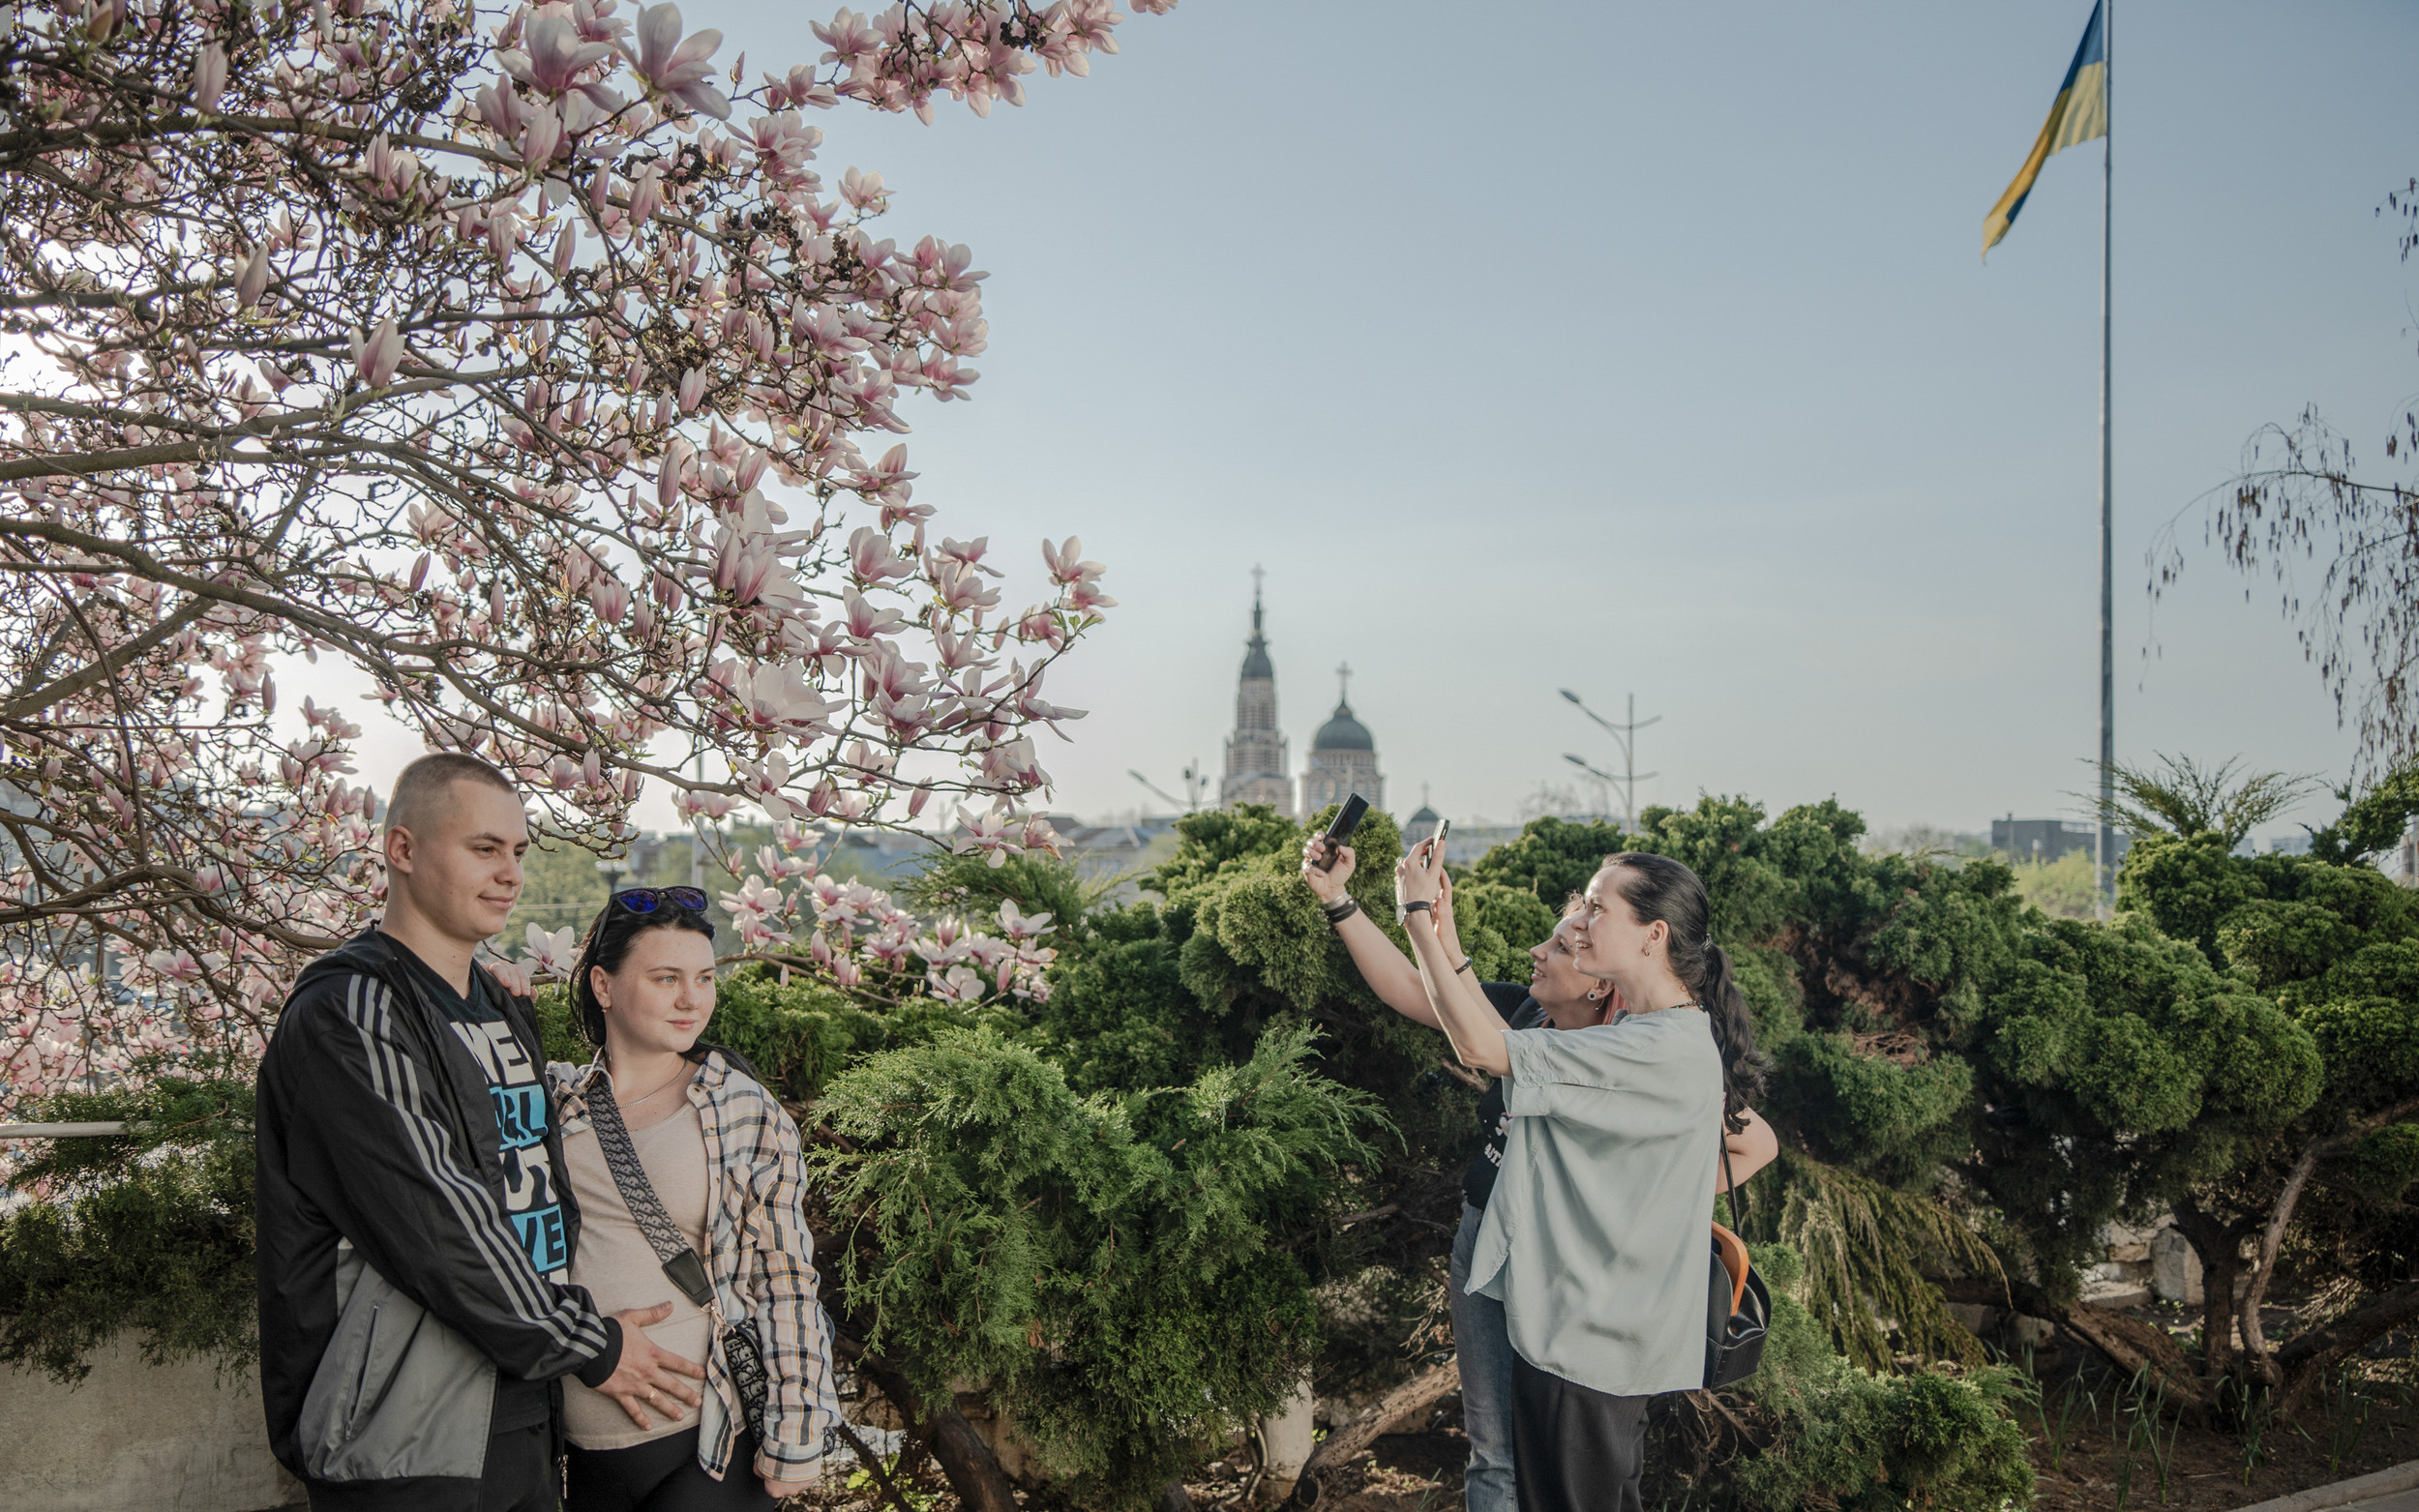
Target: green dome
x=1343 y=733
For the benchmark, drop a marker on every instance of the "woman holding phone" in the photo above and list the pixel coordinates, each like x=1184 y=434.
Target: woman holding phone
x=689 y=1180
x=1594 y=1238
x=1558 y=995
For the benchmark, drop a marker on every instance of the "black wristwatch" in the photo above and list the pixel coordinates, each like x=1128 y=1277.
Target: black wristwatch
x=1404 y=911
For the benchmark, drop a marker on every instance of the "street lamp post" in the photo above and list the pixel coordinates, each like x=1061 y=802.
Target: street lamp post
x=1605 y=781
x=1196 y=783
x=1625 y=734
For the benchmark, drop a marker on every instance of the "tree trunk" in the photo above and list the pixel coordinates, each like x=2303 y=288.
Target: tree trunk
x=2217 y=1244
x=2272 y=1243
x=2281 y=1216
x=973 y=1469
x=2217 y=1309
x=2130 y=1344
x=2307 y=1357
x=1346 y=1439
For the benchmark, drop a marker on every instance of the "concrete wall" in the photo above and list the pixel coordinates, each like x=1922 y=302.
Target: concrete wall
x=134 y=1438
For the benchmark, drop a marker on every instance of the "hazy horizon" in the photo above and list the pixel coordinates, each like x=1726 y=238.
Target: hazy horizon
x=1650 y=350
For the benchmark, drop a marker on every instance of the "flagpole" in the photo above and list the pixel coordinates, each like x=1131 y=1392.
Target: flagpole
x=2106 y=850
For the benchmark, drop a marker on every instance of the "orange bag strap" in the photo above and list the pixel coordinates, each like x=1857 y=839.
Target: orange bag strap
x=1732 y=1248
x=1734 y=1253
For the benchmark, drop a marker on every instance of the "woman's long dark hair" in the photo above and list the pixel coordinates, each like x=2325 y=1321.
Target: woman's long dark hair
x=1658 y=887
x=608 y=945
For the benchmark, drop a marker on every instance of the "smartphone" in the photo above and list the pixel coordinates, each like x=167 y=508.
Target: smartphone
x=1436 y=841
x=1340 y=832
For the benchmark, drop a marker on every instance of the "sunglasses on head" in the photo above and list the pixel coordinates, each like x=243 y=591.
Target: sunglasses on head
x=646 y=900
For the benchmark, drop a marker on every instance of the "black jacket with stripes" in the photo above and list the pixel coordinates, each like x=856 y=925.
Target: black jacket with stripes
x=392 y=1287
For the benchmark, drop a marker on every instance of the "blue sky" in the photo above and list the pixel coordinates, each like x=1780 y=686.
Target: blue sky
x=1649 y=349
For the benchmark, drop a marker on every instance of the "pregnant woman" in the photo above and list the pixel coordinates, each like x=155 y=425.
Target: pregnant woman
x=691 y=1193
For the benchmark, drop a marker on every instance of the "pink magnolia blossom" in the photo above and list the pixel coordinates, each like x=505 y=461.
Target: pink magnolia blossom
x=678 y=67
x=554 y=954
x=376 y=355
x=615 y=527
x=552 y=55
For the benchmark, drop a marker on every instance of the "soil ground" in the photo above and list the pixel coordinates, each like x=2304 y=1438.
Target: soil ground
x=2089 y=1454
x=2091 y=1450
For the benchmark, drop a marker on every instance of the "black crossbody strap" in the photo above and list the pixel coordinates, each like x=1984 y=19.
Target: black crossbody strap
x=681 y=1262
x=1730 y=1183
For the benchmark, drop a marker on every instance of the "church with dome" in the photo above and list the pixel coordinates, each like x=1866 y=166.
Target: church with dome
x=1343 y=756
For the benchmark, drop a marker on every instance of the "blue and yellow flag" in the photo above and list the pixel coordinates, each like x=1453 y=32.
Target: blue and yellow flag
x=2080 y=114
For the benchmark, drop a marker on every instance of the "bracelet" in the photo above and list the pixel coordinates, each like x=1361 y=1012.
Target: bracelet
x=1341 y=909
x=1404 y=911
x=1465 y=966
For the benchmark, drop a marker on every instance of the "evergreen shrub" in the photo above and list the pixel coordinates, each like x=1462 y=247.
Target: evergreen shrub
x=151 y=1232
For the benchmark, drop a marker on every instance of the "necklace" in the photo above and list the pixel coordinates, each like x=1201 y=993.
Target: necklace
x=680 y=1075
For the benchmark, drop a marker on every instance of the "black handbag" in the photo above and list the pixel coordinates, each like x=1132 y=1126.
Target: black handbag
x=683 y=1266
x=1738 y=1308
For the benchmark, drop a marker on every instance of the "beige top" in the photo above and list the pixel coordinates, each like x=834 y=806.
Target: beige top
x=619 y=1267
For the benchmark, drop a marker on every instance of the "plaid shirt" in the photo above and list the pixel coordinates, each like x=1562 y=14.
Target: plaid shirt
x=761 y=1260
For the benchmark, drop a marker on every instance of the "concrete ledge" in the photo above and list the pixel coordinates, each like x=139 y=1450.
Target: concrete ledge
x=2344 y=1493
x=174 y=1439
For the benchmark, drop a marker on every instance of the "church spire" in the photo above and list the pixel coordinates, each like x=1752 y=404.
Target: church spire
x=1255 y=754
x=1256 y=663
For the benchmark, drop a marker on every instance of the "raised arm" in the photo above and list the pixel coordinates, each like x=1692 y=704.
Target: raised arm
x=1391 y=977
x=1461 y=1009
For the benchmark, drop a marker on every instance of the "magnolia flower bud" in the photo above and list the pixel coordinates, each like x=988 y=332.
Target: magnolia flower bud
x=376 y=355
x=252 y=279
x=209 y=77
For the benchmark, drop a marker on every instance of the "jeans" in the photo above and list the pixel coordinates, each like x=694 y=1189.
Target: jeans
x=1482 y=1349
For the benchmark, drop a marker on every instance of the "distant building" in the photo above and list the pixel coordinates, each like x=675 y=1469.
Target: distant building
x=1468 y=841
x=1116 y=852
x=1255 y=754
x=2045 y=841
x=1343 y=760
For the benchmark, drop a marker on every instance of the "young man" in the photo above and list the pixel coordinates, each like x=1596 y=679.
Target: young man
x=416 y=1314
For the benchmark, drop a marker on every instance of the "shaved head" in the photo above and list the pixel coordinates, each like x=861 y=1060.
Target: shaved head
x=422 y=791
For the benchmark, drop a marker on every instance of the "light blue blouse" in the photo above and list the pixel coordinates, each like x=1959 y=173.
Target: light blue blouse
x=1597 y=1238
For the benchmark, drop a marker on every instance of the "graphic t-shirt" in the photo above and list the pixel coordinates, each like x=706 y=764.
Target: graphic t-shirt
x=1519 y=1011
x=516 y=1087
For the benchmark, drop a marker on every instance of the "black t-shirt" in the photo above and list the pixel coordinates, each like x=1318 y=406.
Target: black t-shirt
x=516 y=1085
x=1520 y=1011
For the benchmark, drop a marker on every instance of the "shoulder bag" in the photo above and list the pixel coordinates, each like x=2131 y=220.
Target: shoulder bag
x=1738 y=1307
x=682 y=1265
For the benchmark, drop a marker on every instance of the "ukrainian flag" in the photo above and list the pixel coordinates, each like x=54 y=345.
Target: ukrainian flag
x=2080 y=114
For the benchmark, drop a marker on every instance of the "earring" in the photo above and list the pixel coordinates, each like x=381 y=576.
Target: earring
x=1596 y=997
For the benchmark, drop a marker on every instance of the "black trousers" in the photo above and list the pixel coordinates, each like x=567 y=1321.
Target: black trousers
x=663 y=1475
x=519 y=1470
x=1574 y=1449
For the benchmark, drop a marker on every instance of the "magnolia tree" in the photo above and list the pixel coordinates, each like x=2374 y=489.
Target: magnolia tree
x=526 y=363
